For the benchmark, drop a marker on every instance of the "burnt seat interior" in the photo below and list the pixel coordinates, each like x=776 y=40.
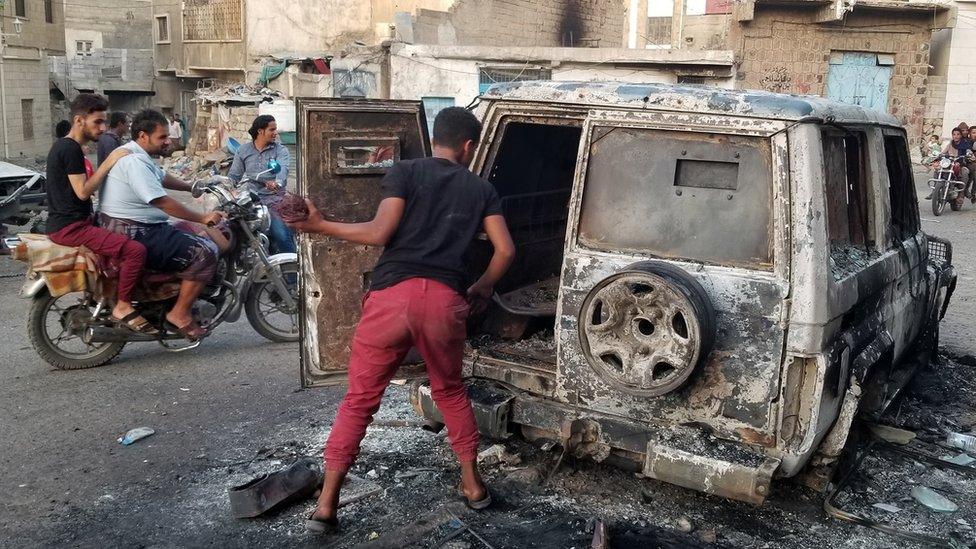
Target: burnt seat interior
x=532 y=168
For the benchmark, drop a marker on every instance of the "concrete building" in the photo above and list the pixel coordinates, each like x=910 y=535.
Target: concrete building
x=108 y=50
x=873 y=53
x=952 y=73
x=25 y=106
x=870 y=52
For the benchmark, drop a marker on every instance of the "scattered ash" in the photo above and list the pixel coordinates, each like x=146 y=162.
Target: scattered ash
x=697 y=441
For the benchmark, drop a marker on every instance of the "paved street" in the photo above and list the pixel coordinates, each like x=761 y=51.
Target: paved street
x=232 y=408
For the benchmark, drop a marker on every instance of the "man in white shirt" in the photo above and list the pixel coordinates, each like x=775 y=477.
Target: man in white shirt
x=175 y=133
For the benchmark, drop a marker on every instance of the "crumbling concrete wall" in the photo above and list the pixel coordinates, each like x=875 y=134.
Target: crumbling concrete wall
x=784 y=49
x=597 y=23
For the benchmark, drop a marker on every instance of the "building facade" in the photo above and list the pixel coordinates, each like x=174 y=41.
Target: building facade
x=108 y=50
x=32 y=31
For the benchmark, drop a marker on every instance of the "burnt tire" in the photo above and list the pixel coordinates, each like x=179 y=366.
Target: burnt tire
x=41 y=307
x=646 y=329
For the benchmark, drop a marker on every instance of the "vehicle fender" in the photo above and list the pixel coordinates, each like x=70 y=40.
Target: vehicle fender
x=260 y=271
x=32 y=287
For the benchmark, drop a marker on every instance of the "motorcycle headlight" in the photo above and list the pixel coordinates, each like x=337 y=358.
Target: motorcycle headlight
x=945 y=163
x=260 y=218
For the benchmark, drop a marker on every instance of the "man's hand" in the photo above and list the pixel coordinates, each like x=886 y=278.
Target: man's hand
x=272 y=185
x=311 y=223
x=212 y=218
x=115 y=155
x=478 y=297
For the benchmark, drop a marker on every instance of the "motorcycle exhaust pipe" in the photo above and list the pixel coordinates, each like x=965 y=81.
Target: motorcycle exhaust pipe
x=103 y=334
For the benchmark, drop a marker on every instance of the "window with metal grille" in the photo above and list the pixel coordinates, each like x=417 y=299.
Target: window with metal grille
x=659 y=23
x=48 y=11
x=27 y=114
x=20 y=8
x=212 y=20
x=493 y=75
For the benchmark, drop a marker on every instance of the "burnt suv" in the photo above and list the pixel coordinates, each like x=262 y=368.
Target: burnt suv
x=711 y=285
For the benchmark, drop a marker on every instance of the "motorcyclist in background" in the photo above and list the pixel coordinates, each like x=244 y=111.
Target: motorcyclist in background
x=251 y=159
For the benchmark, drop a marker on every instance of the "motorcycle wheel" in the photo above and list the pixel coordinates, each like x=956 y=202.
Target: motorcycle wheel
x=266 y=312
x=938 y=200
x=52 y=327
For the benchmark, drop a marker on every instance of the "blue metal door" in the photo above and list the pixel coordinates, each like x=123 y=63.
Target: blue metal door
x=859 y=78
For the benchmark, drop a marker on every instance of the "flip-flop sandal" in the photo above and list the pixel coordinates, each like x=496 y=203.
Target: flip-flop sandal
x=263 y=493
x=324 y=527
x=482 y=503
x=191 y=330
x=137 y=323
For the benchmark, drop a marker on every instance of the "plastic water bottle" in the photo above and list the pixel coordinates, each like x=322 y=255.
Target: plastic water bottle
x=135 y=434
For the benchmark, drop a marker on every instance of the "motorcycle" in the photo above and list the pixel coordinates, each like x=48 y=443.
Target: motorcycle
x=946 y=185
x=76 y=331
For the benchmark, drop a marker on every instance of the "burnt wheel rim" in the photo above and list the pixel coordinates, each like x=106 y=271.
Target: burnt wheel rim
x=640 y=333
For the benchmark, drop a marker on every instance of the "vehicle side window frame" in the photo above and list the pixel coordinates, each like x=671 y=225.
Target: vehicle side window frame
x=894 y=140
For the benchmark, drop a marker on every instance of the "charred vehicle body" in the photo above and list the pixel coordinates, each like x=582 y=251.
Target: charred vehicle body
x=710 y=284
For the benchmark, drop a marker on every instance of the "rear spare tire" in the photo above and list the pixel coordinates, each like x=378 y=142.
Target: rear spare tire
x=645 y=329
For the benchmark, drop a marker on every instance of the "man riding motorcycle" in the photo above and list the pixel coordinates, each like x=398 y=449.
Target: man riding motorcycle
x=134 y=202
x=959 y=146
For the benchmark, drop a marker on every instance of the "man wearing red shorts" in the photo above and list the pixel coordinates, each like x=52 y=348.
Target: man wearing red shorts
x=430 y=211
x=70 y=220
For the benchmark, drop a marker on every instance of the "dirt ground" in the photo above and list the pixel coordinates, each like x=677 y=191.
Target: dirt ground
x=232 y=410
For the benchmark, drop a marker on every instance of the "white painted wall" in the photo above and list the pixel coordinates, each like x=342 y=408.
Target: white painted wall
x=961 y=77
x=415 y=77
x=304 y=26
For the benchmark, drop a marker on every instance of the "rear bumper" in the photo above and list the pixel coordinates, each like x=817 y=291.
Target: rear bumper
x=678 y=456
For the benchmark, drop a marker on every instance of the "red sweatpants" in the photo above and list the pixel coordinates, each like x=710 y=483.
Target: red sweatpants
x=130 y=255
x=417 y=312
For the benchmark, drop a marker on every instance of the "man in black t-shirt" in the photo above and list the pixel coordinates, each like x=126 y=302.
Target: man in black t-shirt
x=430 y=211
x=69 y=204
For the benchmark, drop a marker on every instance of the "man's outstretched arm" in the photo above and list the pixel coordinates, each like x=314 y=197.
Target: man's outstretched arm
x=376 y=232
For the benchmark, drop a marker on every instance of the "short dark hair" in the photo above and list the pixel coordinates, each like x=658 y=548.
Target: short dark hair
x=62 y=128
x=260 y=123
x=954 y=130
x=147 y=121
x=455 y=125
x=117 y=118
x=87 y=103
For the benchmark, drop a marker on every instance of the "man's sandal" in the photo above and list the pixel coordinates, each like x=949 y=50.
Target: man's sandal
x=324 y=527
x=137 y=323
x=482 y=503
x=191 y=330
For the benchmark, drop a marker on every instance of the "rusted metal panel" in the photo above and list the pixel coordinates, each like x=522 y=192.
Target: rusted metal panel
x=710 y=475
x=336 y=273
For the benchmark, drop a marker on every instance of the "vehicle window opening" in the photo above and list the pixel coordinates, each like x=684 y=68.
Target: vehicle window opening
x=532 y=168
x=901 y=188
x=683 y=195
x=849 y=227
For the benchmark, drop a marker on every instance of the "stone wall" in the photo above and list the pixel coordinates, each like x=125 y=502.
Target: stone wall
x=785 y=50
x=522 y=23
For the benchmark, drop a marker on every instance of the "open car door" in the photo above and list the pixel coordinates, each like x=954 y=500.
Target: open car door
x=345 y=146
